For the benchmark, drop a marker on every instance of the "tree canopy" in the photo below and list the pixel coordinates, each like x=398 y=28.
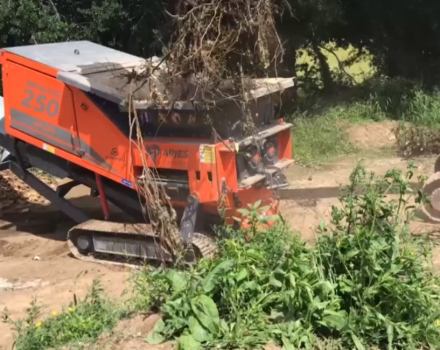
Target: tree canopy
x=402 y=35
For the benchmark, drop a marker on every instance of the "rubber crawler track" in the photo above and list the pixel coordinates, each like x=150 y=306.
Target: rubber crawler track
x=203 y=243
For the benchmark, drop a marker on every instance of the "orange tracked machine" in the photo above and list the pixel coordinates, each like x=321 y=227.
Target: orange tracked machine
x=65 y=112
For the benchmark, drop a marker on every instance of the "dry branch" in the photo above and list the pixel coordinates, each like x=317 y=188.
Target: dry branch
x=218 y=48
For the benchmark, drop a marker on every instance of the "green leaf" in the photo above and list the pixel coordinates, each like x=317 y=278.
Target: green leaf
x=257 y=203
x=242 y=274
x=336 y=320
x=272 y=218
x=252 y=253
x=237 y=219
x=213 y=277
x=287 y=345
x=274 y=282
x=178 y=280
x=188 y=342
x=390 y=334
x=206 y=312
x=265 y=208
x=244 y=212
x=357 y=342
x=292 y=280
x=155 y=337
x=198 y=331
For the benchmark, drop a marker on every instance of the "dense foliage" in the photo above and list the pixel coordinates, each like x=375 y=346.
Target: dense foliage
x=401 y=35
x=126 y=25
x=366 y=284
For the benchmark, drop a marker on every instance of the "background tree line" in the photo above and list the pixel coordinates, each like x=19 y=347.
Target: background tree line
x=400 y=38
x=403 y=36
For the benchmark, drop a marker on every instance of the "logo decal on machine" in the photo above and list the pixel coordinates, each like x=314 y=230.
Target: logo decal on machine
x=127 y=183
x=155 y=151
x=114 y=155
x=45 y=100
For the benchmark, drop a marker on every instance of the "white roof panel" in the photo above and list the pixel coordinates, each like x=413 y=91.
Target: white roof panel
x=73 y=56
x=103 y=71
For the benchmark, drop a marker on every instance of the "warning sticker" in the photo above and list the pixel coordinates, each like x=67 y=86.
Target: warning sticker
x=49 y=148
x=207 y=154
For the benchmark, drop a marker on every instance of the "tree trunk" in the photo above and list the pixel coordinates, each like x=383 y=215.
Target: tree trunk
x=324 y=68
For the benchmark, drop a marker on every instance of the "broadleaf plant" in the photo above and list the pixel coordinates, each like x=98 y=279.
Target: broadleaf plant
x=365 y=284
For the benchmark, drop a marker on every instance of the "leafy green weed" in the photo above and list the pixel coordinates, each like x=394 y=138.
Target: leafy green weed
x=366 y=283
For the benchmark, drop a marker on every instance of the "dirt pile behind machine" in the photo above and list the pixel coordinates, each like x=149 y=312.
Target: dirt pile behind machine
x=66 y=114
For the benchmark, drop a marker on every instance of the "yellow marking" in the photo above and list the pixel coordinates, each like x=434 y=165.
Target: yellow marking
x=162 y=117
x=48 y=148
x=207 y=154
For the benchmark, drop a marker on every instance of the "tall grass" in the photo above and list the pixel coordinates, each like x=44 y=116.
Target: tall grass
x=318 y=140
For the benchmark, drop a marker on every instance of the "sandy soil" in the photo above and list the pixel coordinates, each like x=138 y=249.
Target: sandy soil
x=36 y=263
x=40 y=266
x=377 y=135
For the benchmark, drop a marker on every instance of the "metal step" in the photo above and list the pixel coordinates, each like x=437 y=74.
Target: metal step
x=281 y=165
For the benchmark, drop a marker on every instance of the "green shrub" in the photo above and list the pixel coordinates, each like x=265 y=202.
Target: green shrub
x=379 y=270
x=366 y=283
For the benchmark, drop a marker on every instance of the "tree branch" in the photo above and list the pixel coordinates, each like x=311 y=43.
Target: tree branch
x=341 y=66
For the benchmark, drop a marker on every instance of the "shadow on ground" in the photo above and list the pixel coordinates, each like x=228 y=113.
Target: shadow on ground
x=49 y=222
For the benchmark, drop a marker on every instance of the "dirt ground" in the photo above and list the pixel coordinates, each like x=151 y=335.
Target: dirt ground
x=373 y=135
x=35 y=261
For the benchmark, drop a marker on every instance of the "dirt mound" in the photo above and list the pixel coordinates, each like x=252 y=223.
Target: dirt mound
x=374 y=135
x=138 y=326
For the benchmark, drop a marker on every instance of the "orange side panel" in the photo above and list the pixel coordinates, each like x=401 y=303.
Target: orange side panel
x=41 y=107
x=41 y=110
x=199 y=160
x=101 y=140
x=285 y=144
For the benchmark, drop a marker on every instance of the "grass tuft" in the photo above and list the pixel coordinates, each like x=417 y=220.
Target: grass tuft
x=319 y=140
x=83 y=320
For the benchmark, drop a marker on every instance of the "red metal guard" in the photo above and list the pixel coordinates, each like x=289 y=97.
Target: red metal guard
x=104 y=203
